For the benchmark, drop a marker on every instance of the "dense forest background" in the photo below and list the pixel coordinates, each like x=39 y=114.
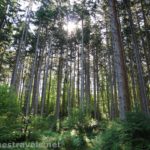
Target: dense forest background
x=75 y=72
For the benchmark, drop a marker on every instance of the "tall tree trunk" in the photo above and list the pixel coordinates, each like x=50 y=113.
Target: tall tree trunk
x=78 y=77
x=35 y=96
x=82 y=71
x=59 y=82
x=144 y=100
x=47 y=63
x=69 y=90
x=64 y=96
x=95 y=86
x=49 y=86
x=133 y=80
x=19 y=60
x=31 y=78
x=87 y=72
x=118 y=59
x=146 y=27
x=144 y=47
x=98 y=110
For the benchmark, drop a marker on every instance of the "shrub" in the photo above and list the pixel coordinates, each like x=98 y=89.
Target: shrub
x=51 y=138
x=68 y=140
x=133 y=133
x=109 y=139
x=77 y=120
x=39 y=123
x=34 y=136
x=137 y=130
x=72 y=142
x=10 y=124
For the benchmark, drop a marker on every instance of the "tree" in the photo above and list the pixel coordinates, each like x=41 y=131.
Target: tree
x=118 y=59
x=144 y=101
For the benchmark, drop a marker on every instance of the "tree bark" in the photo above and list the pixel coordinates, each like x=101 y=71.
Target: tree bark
x=118 y=59
x=144 y=100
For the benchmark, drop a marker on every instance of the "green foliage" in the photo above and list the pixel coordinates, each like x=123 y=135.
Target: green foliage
x=109 y=139
x=137 y=130
x=34 y=136
x=72 y=141
x=47 y=13
x=69 y=140
x=50 y=137
x=133 y=133
x=10 y=123
x=53 y=94
x=36 y=125
x=8 y=101
x=39 y=123
x=77 y=119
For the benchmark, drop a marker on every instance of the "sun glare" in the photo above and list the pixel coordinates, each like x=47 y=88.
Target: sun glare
x=70 y=27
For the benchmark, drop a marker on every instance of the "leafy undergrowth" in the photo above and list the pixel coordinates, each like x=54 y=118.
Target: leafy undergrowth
x=78 y=131
x=131 y=134
x=10 y=121
x=75 y=134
